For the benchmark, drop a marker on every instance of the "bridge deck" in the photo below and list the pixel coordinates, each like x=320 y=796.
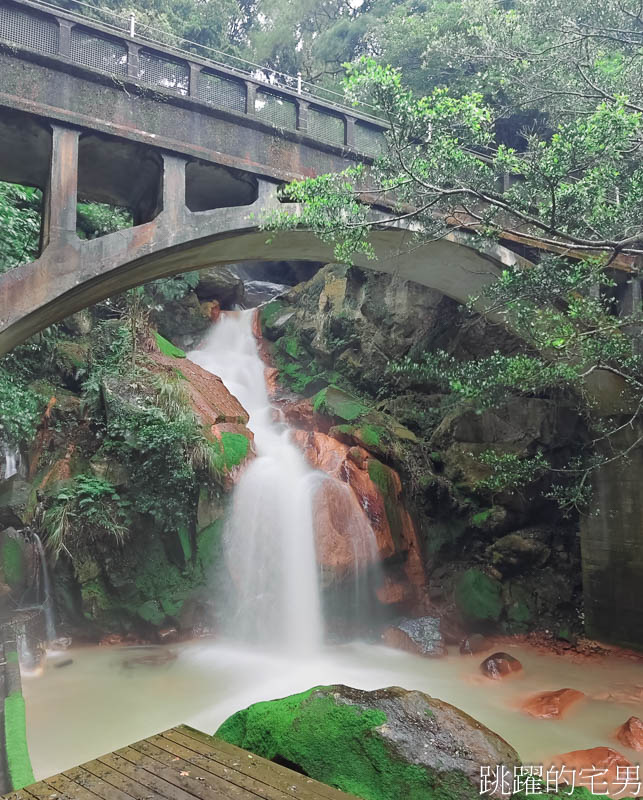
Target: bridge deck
x=179 y=764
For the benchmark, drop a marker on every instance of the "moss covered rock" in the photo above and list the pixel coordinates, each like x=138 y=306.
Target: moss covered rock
x=382 y=745
x=479 y=598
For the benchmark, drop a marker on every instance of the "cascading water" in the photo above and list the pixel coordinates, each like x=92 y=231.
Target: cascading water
x=48 y=607
x=269 y=536
x=11 y=461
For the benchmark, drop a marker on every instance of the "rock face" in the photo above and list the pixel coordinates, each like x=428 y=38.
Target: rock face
x=221 y=284
x=552 y=705
x=630 y=733
x=599 y=769
x=421 y=636
x=382 y=745
x=359 y=515
x=500 y=665
x=479 y=599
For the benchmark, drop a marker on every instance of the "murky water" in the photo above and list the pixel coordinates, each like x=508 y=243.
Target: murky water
x=97 y=703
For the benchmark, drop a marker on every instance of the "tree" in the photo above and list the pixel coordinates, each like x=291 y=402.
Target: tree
x=575 y=196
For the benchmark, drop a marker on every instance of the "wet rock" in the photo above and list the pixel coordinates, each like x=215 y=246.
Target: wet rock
x=392 y=592
x=630 y=733
x=182 y=321
x=479 y=598
x=605 y=764
x=390 y=743
x=500 y=665
x=421 y=636
x=220 y=283
x=552 y=705
x=516 y=552
x=65 y=663
x=476 y=643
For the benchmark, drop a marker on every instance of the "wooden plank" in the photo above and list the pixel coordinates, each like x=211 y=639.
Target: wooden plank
x=41 y=791
x=278 y=775
x=96 y=785
x=183 y=784
x=114 y=778
x=68 y=788
x=156 y=786
x=209 y=763
x=227 y=783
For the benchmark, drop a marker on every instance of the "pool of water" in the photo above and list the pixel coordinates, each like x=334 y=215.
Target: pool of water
x=101 y=701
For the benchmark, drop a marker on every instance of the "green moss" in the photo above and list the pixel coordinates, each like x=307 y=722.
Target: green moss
x=15 y=735
x=13 y=562
x=481 y=517
x=12 y=657
x=150 y=611
x=186 y=543
x=371 y=435
x=478 y=597
x=167 y=348
x=290 y=345
x=382 y=477
x=235 y=448
x=335 y=402
x=209 y=544
x=338 y=744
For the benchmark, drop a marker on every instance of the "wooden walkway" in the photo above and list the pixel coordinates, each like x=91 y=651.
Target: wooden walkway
x=179 y=764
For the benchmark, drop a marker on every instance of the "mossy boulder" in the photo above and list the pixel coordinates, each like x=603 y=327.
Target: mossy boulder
x=335 y=402
x=222 y=284
x=13 y=561
x=381 y=745
x=479 y=598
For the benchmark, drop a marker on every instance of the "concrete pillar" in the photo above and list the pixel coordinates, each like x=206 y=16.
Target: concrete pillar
x=251 y=96
x=612 y=547
x=132 y=60
x=195 y=71
x=61 y=192
x=302 y=115
x=64 y=37
x=174 y=208
x=349 y=131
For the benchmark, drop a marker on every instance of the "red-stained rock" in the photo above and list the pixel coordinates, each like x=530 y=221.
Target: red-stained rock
x=298 y=413
x=351 y=509
x=500 y=665
x=599 y=769
x=393 y=592
x=552 y=705
x=211 y=309
x=630 y=733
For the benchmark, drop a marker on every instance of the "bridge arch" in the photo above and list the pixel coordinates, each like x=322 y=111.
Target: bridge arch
x=72 y=274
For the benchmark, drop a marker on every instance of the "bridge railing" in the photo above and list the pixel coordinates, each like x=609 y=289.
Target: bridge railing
x=103 y=47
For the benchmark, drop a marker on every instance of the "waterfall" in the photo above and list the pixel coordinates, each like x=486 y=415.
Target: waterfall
x=11 y=461
x=48 y=605
x=269 y=540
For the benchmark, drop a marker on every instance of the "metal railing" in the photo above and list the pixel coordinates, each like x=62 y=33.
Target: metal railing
x=119 y=49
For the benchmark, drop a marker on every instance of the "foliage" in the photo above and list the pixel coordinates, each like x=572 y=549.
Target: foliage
x=87 y=509
x=98 y=219
x=19 y=224
x=167 y=348
x=20 y=409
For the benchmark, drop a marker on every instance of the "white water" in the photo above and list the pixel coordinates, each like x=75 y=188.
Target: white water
x=269 y=536
x=11 y=461
x=48 y=606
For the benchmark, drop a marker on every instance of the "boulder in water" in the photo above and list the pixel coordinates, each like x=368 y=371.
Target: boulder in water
x=552 y=705
x=500 y=665
x=421 y=636
x=631 y=733
x=600 y=769
x=382 y=745
x=220 y=283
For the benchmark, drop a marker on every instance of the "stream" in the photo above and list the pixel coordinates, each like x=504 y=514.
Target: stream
x=104 y=700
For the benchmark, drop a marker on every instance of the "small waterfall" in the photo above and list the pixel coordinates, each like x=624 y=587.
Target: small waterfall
x=269 y=537
x=11 y=461
x=48 y=604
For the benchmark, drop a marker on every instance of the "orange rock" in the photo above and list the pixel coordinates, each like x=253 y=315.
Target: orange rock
x=298 y=414
x=500 y=665
x=631 y=733
x=552 y=705
x=393 y=592
x=600 y=769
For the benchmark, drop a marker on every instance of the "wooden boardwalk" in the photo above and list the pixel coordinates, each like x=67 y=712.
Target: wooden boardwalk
x=179 y=764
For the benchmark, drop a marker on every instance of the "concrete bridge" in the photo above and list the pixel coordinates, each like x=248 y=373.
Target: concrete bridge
x=197 y=152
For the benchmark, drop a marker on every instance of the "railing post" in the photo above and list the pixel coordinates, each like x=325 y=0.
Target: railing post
x=195 y=71
x=302 y=115
x=132 y=60
x=251 y=96
x=64 y=37
x=349 y=131
x=61 y=192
